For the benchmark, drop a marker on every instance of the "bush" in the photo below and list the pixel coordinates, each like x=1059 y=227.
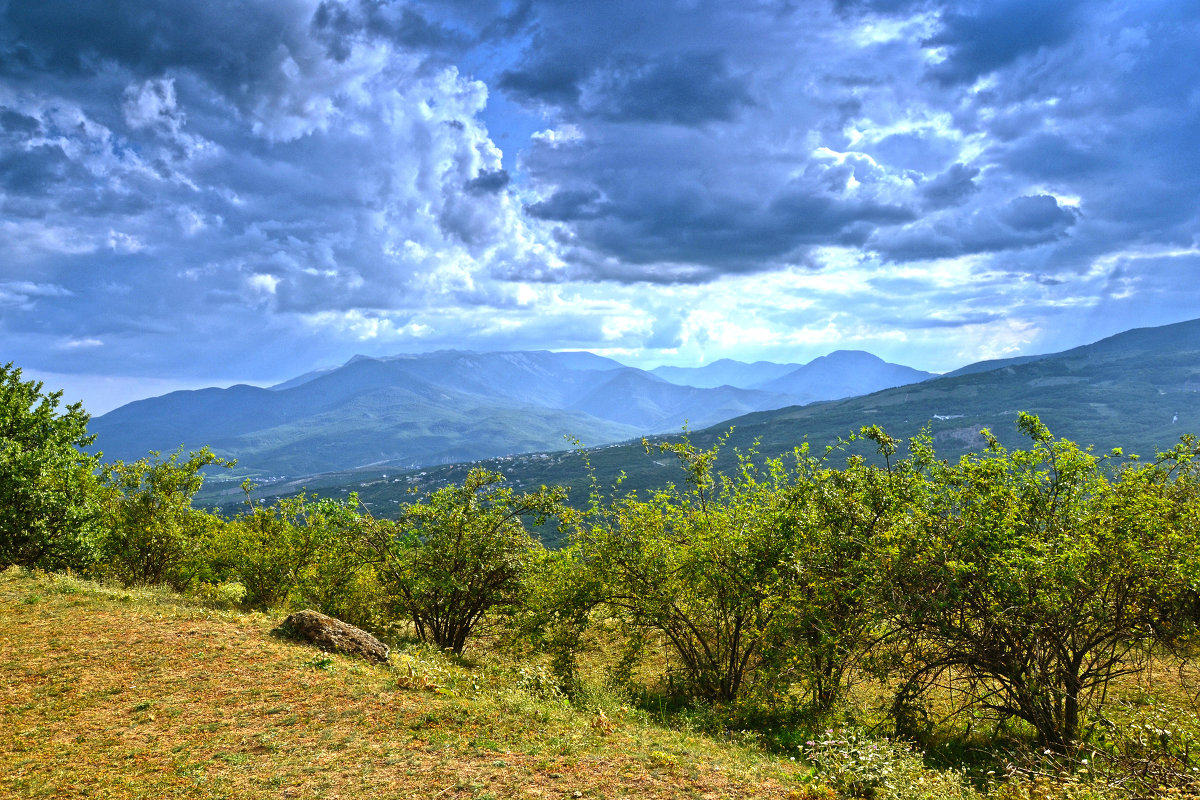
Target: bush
x=47 y=487
x=859 y=766
x=711 y=568
x=152 y=535
x=756 y=580
x=456 y=555
x=299 y=552
x=1034 y=577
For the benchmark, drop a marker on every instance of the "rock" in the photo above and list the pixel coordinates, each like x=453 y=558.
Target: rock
x=328 y=633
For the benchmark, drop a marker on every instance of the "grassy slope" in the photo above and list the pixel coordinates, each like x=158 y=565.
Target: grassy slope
x=113 y=693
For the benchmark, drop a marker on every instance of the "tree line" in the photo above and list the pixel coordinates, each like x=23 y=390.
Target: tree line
x=1030 y=577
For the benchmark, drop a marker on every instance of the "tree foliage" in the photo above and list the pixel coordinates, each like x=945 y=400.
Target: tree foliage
x=152 y=534
x=1033 y=577
x=754 y=580
x=844 y=510
x=298 y=552
x=709 y=566
x=457 y=554
x=46 y=482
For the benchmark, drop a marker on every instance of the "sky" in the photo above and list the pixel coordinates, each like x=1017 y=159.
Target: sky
x=202 y=192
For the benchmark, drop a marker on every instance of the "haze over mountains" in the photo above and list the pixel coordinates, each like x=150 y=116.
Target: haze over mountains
x=413 y=410
x=1139 y=390
x=842 y=373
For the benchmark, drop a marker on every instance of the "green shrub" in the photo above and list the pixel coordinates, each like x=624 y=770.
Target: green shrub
x=754 y=580
x=47 y=513
x=1036 y=578
x=859 y=766
x=299 y=552
x=151 y=533
x=456 y=555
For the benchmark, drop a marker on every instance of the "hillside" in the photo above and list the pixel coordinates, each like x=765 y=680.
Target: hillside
x=1139 y=390
x=141 y=694
x=725 y=372
x=411 y=411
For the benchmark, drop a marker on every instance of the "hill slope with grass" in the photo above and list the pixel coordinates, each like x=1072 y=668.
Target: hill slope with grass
x=142 y=694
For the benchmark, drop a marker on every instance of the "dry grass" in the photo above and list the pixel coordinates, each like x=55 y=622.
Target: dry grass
x=137 y=694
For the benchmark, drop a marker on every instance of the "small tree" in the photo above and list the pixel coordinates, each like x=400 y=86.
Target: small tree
x=46 y=482
x=152 y=534
x=843 y=510
x=297 y=551
x=711 y=568
x=1033 y=578
x=456 y=555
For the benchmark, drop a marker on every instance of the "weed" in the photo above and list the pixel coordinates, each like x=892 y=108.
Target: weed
x=322 y=662
x=863 y=767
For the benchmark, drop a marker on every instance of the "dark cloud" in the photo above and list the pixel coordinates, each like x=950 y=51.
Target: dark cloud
x=686 y=237
x=856 y=7
x=1020 y=223
x=951 y=187
x=683 y=89
x=224 y=39
x=567 y=205
x=1052 y=155
x=339 y=25
x=1040 y=213
x=17 y=124
x=689 y=88
x=489 y=182
x=996 y=33
x=37 y=170
x=557 y=82
x=820 y=219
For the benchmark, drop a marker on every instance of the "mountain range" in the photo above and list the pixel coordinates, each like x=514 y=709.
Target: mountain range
x=1138 y=390
x=409 y=411
x=842 y=373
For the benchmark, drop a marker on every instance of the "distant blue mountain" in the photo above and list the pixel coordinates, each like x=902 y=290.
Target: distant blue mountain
x=842 y=373
x=415 y=410
x=450 y=406
x=725 y=372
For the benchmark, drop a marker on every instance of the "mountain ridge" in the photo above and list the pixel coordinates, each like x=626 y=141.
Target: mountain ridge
x=413 y=409
x=1138 y=390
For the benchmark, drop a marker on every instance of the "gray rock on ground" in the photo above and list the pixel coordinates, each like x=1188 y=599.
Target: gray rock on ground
x=328 y=633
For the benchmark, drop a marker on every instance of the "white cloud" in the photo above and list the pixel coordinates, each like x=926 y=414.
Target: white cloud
x=264 y=283
x=152 y=103
x=82 y=344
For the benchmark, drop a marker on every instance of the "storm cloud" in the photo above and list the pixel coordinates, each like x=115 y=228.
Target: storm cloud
x=215 y=189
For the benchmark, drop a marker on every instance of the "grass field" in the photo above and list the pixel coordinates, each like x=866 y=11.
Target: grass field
x=112 y=693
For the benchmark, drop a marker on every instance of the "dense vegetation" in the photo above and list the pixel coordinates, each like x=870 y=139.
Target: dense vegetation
x=988 y=605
